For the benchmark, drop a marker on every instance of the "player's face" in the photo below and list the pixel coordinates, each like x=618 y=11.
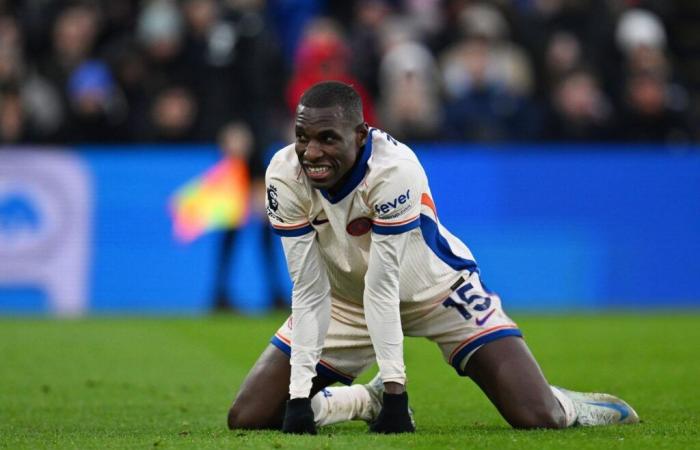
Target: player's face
x=327 y=144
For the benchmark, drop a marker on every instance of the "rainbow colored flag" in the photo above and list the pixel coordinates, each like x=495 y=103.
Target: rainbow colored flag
x=217 y=199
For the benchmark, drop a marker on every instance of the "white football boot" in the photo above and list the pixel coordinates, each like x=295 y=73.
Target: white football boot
x=375 y=387
x=595 y=409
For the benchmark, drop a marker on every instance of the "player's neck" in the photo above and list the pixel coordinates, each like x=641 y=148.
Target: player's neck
x=333 y=191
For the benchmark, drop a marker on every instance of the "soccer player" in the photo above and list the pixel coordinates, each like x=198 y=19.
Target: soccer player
x=371 y=263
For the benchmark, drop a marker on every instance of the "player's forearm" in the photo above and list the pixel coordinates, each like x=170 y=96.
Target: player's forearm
x=384 y=325
x=381 y=302
x=308 y=333
x=310 y=311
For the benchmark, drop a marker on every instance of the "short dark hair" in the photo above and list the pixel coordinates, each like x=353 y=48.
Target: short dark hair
x=334 y=93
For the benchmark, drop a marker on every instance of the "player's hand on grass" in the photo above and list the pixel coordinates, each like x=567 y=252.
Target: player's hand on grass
x=394 y=416
x=299 y=417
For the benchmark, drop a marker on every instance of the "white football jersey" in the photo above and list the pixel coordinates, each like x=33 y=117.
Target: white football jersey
x=377 y=243
x=387 y=193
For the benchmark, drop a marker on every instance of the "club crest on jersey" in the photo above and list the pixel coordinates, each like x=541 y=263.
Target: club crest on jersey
x=383 y=208
x=359 y=226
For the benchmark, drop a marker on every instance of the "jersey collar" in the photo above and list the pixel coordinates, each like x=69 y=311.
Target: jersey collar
x=356 y=175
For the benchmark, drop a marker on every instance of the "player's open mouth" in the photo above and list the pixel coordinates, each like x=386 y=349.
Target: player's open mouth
x=317 y=172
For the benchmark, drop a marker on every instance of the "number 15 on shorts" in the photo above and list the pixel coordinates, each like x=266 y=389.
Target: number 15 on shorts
x=464 y=300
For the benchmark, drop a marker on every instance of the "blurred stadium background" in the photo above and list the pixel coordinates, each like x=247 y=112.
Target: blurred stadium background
x=560 y=137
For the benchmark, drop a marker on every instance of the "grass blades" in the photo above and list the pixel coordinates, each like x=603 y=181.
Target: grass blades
x=168 y=382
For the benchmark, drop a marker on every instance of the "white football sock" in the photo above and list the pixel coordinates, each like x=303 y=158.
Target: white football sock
x=339 y=404
x=567 y=405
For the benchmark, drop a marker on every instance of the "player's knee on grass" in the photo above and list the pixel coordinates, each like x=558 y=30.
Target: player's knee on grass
x=234 y=419
x=242 y=418
x=509 y=375
x=259 y=403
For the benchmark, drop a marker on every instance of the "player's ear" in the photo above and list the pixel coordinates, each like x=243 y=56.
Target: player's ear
x=361 y=132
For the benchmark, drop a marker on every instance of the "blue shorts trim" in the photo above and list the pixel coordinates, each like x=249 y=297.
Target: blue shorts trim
x=321 y=368
x=457 y=360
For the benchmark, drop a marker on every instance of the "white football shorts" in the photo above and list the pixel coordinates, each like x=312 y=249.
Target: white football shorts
x=460 y=324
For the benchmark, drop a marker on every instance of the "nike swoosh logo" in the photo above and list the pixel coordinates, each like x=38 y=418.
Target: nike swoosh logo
x=619 y=408
x=483 y=320
x=316 y=221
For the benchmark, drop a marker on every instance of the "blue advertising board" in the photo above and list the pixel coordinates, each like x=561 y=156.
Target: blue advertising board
x=552 y=228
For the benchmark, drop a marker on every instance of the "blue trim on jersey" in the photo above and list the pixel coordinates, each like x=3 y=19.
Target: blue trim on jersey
x=439 y=245
x=396 y=229
x=356 y=175
x=294 y=232
x=320 y=368
x=457 y=360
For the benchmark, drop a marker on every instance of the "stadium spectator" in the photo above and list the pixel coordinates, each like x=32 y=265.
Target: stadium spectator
x=684 y=48
x=130 y=67
x=324 y=55
x=410 y=102
x=97 y=110
x=563 y=55
x=488 y=81
x=290 y=18
x=118 y=19
x=426 y=15
x=13 y=124
x=10 y=42
x=74 y=36
x=653 y=108
x=562 y=35
x=502 y=62
x=364 y=41
x=173 y=115
x=640 y=43
x=36 y=99
x=160 y=31
x=210 y=52
x=579 y=110
x=653 y=111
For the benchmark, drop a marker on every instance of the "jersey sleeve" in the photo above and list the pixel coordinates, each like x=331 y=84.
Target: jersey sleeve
x=285 y=207
x=381 y=304
x=395 y=198
x=311 y=310
x=311 y=301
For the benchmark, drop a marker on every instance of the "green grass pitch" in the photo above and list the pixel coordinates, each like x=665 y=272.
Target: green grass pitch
x=167 y=383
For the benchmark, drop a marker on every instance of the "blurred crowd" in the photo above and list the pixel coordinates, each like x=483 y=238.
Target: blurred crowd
x=126 y=71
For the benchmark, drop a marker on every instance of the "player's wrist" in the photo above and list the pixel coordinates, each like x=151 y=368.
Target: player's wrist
x=393 y=387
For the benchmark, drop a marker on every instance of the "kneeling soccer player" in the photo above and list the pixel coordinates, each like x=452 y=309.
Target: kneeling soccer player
x=371 y=263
